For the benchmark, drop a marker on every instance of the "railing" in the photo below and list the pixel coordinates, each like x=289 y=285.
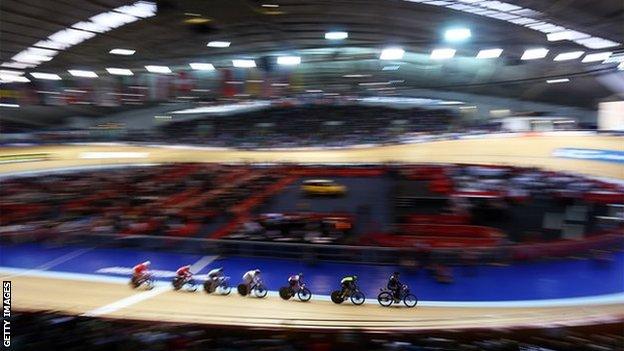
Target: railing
x=613 y=240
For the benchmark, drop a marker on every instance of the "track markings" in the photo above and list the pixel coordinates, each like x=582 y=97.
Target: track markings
x=145 y=295
x=55 y=262
x=126 y=302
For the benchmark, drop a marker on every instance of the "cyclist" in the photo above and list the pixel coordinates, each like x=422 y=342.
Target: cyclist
x=395 y=285
x=141 y=272
x=215 y=275
x=294 y=281
x=251 y=278
x=347 y=284
x=184 y=273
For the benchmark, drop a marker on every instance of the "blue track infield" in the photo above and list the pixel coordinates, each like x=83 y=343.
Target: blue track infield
x=558 y=279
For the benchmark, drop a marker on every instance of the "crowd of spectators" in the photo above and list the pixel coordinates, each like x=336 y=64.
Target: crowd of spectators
x=55 y=331
x=303 y=227
x=314 y=125
x=286 y=126
x=482 y=203
x=176 y=200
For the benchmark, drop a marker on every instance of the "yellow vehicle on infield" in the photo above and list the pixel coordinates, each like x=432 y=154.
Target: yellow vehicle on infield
x=323 y=187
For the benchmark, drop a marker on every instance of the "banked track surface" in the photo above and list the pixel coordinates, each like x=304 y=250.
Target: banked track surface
x=527 y=151
x=117 y=300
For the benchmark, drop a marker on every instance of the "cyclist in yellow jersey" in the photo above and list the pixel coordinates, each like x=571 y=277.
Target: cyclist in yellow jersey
x=347 y=284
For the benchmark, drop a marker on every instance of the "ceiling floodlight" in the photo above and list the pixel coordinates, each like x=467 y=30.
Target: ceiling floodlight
x=158 y=69
x=392 y=54
x=46 y=76
x=82 y=73
x=336 y=35
x=244 y=63
x=489 y=53
x=457 y=34
x=288 y=60
x=533 y=54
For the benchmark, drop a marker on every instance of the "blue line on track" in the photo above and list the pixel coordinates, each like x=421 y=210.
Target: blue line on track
x=526 y=281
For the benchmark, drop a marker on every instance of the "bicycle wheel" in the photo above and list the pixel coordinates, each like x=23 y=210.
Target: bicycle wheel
x=225 y=289
x=336 y=298
x=358 y=298
x=410 y=300
x=385 y=298
x=208 y=287
x=261 y=291
x=304 y=294
x=242 y=289
x=285 y=293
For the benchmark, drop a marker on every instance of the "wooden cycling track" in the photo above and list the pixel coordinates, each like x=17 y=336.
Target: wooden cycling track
x=108 y=299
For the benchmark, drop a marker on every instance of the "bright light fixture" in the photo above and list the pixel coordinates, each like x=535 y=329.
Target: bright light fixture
x=141 y=9
x=202 y=66
x=565 y=56
x=442 y=54
x=336 y=35
x=391 y=54
x=555 y=81
x=599 y=56
x=15 y=79
x=270 y=5
x=218 y=44
x=596 y=43
x=82 y=73
x=244 y=63
x=112 y=19
x=7 y=76
x=566 y=35
x=16 y=65
x=90 y=26
x=158 y=69
x=489 y=53
x=288 y=60
x=51 y=45
x=120 y=71
x=125 y=52
x=500 y=6
x=71 y=36
x=533 y=54
x=11 y=73
x=457 y=34
x=25 y=57
x=40 y=51
x=9 y=105
x=546 y=28
x=522 y=20
x=617 y=58
x=47 y=76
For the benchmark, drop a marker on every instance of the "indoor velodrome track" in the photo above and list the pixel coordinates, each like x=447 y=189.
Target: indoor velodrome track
x=93 y=281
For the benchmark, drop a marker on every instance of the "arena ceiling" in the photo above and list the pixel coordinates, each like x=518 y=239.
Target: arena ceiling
x=177 y=33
